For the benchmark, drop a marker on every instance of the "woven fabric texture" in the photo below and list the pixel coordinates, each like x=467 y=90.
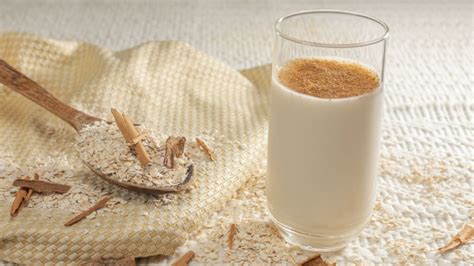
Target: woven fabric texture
x=169 y=86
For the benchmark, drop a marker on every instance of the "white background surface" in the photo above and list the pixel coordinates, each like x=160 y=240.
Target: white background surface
x=241 y=32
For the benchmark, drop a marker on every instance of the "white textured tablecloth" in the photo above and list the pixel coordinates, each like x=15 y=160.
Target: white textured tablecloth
x=427 y=162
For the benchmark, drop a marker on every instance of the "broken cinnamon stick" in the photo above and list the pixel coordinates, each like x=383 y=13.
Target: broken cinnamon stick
x=174 y=148
x=30 y=192
x=466 y=234
x=41 y=186
x=230 y=238
x=139 y=148
x=315 y=260
x=100 y=204
x=131 y=135
x=18 y=202
x=203 y=146
x=184 y=260
x=120 y=123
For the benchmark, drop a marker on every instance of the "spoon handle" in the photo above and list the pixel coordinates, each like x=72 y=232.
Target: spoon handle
x=20 y=83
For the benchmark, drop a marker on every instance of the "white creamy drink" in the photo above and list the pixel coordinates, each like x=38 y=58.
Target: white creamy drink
x=323 y=150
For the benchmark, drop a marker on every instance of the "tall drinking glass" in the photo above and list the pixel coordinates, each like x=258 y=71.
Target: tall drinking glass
x=323 y=151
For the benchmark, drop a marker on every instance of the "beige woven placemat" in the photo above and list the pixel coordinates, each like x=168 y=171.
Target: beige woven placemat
x=173 y=89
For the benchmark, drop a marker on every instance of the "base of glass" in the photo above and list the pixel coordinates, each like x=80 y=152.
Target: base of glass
x=315 y=243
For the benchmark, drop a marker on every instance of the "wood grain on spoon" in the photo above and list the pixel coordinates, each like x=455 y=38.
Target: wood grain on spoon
x=23 y=85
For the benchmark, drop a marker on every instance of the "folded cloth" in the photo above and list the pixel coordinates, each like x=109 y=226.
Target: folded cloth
x=170 y=87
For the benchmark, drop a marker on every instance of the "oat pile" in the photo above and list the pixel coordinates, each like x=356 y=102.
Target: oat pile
x=328 y=78
x=102 y=146
x=87 y=188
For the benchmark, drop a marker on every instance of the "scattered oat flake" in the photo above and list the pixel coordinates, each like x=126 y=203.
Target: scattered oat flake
x=315 y=260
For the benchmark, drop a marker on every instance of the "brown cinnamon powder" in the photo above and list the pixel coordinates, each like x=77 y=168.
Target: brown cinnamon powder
x=328 y=78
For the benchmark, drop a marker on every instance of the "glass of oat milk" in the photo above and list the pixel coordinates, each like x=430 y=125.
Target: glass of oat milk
x=325 y=119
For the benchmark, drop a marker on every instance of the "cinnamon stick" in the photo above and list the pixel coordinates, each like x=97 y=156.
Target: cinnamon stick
x=131 y=135
x=120 y=124
x=174 y=148
x=30 y=192
x=100 y=204
x=184 y=260
x=17 y=203
x=139 y=148
x=19 y=200
x=230 y=238
x=41 y=186
x=203 y=146
x=466 y=234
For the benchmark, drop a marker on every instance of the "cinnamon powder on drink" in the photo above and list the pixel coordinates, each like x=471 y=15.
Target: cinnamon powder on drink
x=328 y=79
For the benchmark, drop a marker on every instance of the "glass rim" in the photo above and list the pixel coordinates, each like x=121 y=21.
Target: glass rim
x=330 y=45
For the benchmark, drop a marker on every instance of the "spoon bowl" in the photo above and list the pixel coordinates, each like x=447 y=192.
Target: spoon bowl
x=18 y=82
x=163 y=189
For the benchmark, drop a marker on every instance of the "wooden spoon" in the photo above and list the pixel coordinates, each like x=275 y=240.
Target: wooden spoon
x=20 y=83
